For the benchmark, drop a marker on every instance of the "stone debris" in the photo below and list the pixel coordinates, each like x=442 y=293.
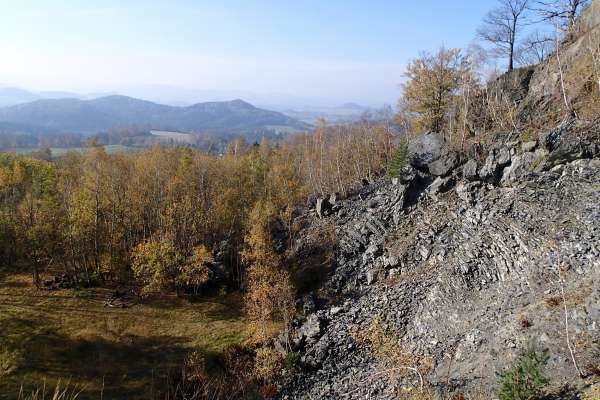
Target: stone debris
x=450 y=264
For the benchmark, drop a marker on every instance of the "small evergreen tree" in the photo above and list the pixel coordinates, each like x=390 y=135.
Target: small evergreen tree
x=524 y=380
x=399 y=159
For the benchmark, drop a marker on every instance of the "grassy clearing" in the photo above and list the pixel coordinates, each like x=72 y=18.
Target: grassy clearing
x=69 y=335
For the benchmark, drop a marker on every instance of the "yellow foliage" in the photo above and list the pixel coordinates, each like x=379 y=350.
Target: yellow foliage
x=268 y=363
x=433 y=81
x=269 y=296
x=155 y=264
x=194 y=272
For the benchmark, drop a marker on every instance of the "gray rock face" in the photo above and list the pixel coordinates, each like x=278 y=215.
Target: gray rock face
x=565 y=145
x=524 y=164
x=470 y=170
x=443 y=165
x=323 y=207
x=312 y=329
x=452 y=278
x=529 y=146
x=495 y=161
x=552 y=138
x=425 y=149
x=440 y=185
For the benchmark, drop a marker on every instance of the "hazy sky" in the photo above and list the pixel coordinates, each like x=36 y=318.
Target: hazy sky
x=331 y=49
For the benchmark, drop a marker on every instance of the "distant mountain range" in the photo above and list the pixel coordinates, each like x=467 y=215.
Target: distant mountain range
x=305 y=109
x=74 y=115
x=10 y=96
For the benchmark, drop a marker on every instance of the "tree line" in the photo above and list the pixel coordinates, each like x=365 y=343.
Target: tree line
x=156 y=218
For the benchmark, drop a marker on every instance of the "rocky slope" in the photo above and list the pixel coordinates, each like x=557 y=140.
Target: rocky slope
x=459 y=266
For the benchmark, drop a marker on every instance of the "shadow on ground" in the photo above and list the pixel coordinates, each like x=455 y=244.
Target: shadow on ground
x=130 y=368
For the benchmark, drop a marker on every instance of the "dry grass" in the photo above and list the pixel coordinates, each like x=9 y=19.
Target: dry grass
x=553 y=301
x=399 y=366
x=69 y=335
x=524 y=322
x=59 y=392
x=593 y=393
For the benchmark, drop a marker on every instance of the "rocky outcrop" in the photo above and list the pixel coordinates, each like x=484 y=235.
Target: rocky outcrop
x=425 y=149
x=463 y=269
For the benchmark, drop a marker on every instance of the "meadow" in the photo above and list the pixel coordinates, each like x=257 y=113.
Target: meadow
x=70 y=336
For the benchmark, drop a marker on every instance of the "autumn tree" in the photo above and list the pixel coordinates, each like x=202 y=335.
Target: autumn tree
x=269 y=294
x=502 y=27
x=194 y=272
x=155 y=265
x=431 y=85
x=30 y=219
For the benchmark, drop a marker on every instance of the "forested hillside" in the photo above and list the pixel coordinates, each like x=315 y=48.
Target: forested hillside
x=77 y=116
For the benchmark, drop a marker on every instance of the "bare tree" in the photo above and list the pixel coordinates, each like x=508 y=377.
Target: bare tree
x=502 y=25
x=565 y=11
x=535 y=48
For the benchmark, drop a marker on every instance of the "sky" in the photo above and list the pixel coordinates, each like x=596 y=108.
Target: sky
x=327 y=50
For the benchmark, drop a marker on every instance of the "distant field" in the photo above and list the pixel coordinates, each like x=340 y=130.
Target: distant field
x=61 y=151
x=180 y=137
x=282 y=129
x=69 y=335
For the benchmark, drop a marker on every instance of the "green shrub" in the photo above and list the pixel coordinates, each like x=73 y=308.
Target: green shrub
x=291 y=359
x=399 y=159
x=524 y=380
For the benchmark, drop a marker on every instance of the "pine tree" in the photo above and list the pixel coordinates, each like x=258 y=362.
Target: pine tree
x=399 y=159
x=524 y=380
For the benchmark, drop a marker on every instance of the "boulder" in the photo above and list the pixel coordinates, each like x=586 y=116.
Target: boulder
x=529 y=146
x=323 y=207
x=470 y=170
x=522 y=165
x=495 y=161
x=468 y=191
x=552 y=138
x=444 y=165
x=565 y=145
x=440 y=185
x=312 y=329
x=425 y=149
x=311 y=201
